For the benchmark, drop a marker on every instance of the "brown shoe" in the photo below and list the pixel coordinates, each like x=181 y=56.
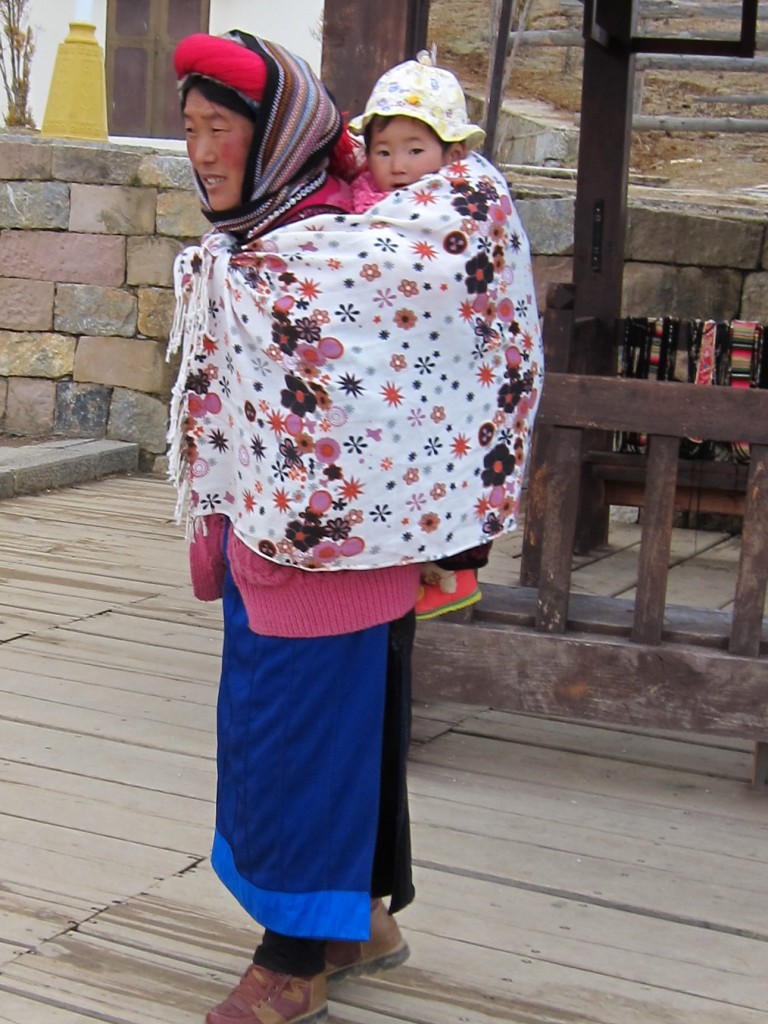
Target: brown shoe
x=266 y=997
x=385 y=948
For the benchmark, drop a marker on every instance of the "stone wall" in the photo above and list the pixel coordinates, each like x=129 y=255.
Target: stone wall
x=88 y=234
x=709 y=262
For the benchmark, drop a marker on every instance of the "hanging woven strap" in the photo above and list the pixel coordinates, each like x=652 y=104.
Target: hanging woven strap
x=705 y=366
x=745 y=338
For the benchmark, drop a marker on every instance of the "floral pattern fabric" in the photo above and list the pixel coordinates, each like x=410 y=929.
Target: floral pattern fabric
x=359 y=391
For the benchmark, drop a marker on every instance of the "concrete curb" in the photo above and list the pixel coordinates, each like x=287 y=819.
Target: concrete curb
x=46 y=465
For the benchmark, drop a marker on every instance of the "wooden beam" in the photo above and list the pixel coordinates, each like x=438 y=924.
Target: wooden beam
x=600 y=219
x=656 y=540
x=753 y=564
x=591 y=677
x=558 y=530
x=496 y=77
x=655 y=407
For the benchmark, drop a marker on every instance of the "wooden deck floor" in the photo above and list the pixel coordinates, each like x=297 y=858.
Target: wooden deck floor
x=565 y=873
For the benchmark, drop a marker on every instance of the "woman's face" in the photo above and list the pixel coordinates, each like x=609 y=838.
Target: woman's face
x=218 y=143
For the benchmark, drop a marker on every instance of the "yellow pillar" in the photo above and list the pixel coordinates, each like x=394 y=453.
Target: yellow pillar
x=77 y=99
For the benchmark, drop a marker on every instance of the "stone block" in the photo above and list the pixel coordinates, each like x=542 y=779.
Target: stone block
x=530 y=132
x=47 y=476
x=178 y=215
x=24 y=159
x=156 y=312
x=166 y=170
x=670 y=236
x=652 y=289
x=139 y=418
x=150 y=260
x=63 y=256
x=3 y=397
x=26 y=305
x=37 y=205
x=157 y=465
x=95 y=162
x=30 y=406
x=548 y=222
x=112 y=210
x=23 y=354
x=134 y=363
x=82 y=410
x=88 y=309
x=754 y=298
x=116 y=457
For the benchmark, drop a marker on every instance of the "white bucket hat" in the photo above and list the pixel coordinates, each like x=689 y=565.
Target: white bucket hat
x=419 y=89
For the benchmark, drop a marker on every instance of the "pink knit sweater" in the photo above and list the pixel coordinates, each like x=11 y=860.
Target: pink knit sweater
x=284 y=601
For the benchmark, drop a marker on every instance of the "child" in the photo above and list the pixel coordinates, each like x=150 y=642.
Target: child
x=414 y=123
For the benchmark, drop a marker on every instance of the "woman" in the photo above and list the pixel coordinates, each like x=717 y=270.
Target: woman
x=323 y=435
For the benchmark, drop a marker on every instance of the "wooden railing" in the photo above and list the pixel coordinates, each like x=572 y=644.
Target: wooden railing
x=537 y=647
x=666 y=412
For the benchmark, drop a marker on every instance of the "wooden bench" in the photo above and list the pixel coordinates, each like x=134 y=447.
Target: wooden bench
x=535 y=647
x=702 y=486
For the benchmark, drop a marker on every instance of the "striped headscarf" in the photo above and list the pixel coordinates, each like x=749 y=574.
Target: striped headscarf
x=297 y=125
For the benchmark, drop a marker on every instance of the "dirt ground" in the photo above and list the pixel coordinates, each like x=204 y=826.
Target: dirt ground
x=701 y=160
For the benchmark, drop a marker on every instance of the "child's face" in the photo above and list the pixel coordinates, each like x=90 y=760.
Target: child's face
x=403 y=149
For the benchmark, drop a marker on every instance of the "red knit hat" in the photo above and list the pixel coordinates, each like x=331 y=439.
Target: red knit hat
x=224 y=61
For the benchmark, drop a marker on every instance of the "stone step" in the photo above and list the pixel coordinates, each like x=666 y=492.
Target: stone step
x=32 y=466
x=531 y=132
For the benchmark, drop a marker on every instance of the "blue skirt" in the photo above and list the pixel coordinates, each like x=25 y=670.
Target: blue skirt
x=299 y=762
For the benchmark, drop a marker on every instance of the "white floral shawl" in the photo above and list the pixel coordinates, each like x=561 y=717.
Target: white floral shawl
x=358 y=391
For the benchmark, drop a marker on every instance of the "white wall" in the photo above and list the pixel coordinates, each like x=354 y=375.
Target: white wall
x=296 y=24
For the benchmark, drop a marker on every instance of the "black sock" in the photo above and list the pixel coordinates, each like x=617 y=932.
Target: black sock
x=288 y=955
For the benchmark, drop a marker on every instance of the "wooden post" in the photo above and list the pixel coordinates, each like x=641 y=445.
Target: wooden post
x=600 y=221
x=496 y=77
x=361 y=41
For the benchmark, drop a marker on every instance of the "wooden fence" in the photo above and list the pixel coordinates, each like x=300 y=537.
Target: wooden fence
x=651 y=13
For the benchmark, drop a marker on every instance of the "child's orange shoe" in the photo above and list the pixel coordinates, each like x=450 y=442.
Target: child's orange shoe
x=450 y=592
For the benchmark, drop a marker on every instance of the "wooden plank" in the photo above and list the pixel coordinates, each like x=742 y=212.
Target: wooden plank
x=558 y=531
x=614 y=571
x=130 y=655
x=162 y=702
x=533 y=902
x=168 y=634
x=166 y=771
x=708 y=578
x=28 y=656
x=569 y=786
x=551 y=931
x=142 y=729
x=577 y=863
x=130 y=985
x=645 y=407
x=83 y=864
x=656 y=540
x=591 y=677
x=760 y=767
x=112 y=808
x=686 y=499
x=643 y=804
x=706 y=755
x=528 y=990
x=752 y=580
